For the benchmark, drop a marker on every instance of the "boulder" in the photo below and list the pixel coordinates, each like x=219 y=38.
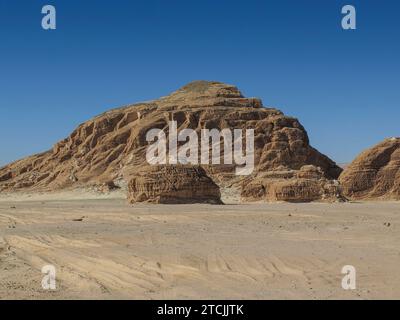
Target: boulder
x=173 y=185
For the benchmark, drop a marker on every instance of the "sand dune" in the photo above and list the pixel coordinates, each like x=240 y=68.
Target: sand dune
x=105 y=249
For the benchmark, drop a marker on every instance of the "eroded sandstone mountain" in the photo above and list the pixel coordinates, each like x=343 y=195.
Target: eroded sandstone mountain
x=375 y=173
x=111 y=148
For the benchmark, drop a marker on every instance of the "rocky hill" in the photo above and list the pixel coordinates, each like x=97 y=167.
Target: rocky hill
x=375 y=173
x=110 y=150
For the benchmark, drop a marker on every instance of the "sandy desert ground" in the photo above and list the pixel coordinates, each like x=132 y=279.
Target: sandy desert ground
x=104 y=248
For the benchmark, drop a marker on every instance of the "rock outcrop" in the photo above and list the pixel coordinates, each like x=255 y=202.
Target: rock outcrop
x=304 y=185
x=173 y=185
x=375 y=173
x=112 y=146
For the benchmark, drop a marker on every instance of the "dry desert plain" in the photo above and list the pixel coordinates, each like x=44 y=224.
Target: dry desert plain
x=104 y=248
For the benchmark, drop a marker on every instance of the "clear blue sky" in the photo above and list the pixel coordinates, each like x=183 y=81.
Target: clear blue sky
x=344 y=86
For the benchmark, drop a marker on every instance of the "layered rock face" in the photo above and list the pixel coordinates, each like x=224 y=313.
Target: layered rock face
x=375 y=173
x=173 y=185
x=304 y=185
x=112 y=146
